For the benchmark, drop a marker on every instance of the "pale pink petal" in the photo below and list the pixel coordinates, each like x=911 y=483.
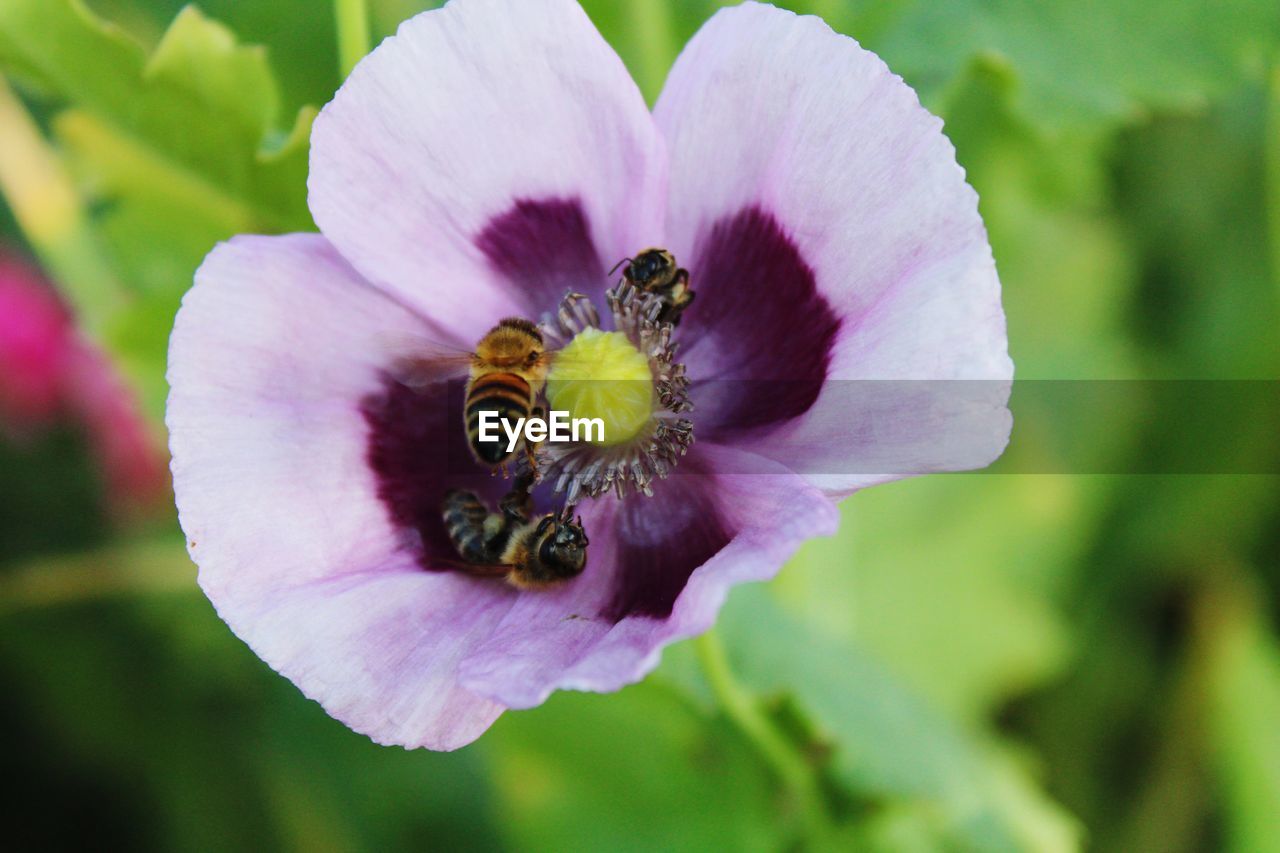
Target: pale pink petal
x=273 y=354
x=800 y=155
x=473 y=114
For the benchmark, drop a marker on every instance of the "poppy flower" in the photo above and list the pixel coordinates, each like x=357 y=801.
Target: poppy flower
x=490 y=158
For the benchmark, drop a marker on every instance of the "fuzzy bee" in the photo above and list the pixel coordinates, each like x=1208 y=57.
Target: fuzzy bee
x=505 y=375
x=655 y=271
x=531 y=553
x=508 y=371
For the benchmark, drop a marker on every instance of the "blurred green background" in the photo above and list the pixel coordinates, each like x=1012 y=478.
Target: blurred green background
x=976 y=662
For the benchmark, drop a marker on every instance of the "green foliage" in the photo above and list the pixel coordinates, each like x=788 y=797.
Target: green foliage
x=175 y=150
x=1085 y=61
x=61 y=496
x=208 y=747
x=200 y=108
x=891 y=753
x=1243 y=663
x=558 y=792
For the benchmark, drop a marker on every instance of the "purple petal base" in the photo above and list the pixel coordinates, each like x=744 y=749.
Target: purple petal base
x=757 y=315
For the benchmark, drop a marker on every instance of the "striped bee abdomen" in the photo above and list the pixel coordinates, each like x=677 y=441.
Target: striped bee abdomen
x=464 y=521
x=509 y=397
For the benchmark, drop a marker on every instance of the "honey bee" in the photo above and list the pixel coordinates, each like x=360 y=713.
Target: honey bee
x=654 y=271
x=529 y=553
x=508 y=371
x=505 y=375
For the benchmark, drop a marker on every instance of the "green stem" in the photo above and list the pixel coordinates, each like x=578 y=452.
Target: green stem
x=352 y=17
x=654 y=43
x=792 y=769
x=153 y=567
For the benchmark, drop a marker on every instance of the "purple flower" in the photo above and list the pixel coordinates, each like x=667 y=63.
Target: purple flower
x=489 y=158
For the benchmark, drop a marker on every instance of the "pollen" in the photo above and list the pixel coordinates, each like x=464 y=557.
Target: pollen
x=602 y=375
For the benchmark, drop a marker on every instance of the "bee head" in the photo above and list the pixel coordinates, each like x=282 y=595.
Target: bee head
x=562 y=545
x=652 y=267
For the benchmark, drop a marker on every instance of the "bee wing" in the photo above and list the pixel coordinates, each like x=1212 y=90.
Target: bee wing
x=480 y=570
x=420 y=372
x=419 y=362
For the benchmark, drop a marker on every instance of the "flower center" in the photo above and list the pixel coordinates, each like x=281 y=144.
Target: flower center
x=630 y=380
x=602 y=375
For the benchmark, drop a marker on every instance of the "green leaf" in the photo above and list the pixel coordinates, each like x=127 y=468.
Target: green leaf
x=1060 y=252
x=174 y=151
x=202 y=57
x=1199 y=223
x=1088 y=62
x=201 y=106
x=637 y=770
x=964 y=614
x=887 y=745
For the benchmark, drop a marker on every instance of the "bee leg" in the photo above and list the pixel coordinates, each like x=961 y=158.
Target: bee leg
x=517 y=504
x=686 y=295
x=532 y=463
x=524 y=482
x=531 y=448
x=681 y=297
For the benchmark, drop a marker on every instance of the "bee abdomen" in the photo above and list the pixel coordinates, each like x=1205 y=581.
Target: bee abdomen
x=464 y=521
x=510 y=385
x=508 y=396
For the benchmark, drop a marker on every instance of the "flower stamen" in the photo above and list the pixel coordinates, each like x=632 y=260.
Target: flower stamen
x=652 y=439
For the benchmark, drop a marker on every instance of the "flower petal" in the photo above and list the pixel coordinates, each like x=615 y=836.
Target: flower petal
x=273 y=353
x=544 y=249
x=469 y=116
x=417 y=447
x=776 y=118
x=658 y=571
x=753 y=281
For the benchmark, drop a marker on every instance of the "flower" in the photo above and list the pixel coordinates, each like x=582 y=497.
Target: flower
x=35 y=346
x=48 y=371
x=488 y=159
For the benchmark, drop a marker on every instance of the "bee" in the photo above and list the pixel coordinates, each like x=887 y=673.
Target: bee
x=655 y=271
x=505 y=374
x=530 y=553
x=508 y=371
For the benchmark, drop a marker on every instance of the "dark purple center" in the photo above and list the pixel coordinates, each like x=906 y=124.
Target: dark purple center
x=544 y=248
x=663 y=539
x=418 y=451
x=760 y=319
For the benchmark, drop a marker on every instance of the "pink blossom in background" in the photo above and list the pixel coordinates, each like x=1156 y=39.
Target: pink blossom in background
x=35 y=348
x=48 y=372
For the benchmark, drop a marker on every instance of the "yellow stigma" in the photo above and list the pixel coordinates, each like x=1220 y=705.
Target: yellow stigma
x=602 y=375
